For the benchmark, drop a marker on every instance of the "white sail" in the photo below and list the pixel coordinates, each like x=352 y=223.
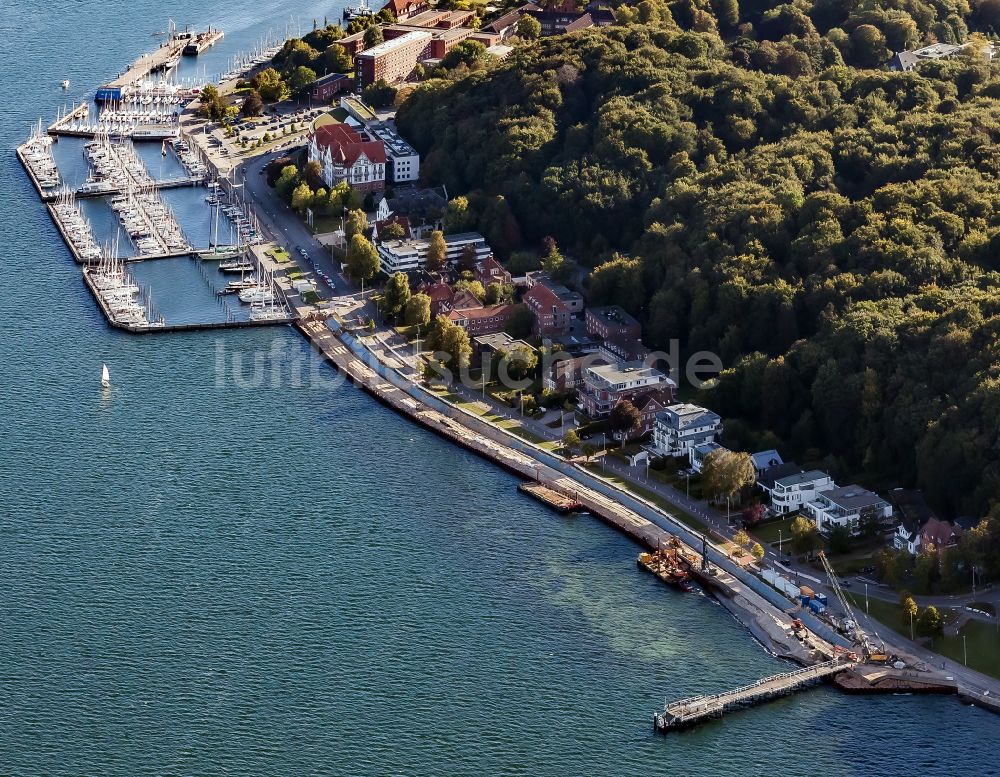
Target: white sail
x=105 y=376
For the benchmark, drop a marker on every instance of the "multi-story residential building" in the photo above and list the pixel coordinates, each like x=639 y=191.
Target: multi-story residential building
x=572 y=300
x=787 y=494
x=422 y=208
x=392 y=61
x=410 y=255
x=441 y=20
x=681 y=427
x=847 y=506
x=566 y=374
x=650 y=404
x=403 y=159
x=605 y=385
x=491 y=271
x=562 y=19
x=345 y=156
x=552 y=316
x=698 y=453
x=482 y=320
x=612 y=322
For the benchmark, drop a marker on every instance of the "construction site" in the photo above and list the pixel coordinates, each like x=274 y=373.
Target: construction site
x=850 y=657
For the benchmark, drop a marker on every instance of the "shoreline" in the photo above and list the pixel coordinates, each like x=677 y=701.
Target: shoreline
x=765 y=613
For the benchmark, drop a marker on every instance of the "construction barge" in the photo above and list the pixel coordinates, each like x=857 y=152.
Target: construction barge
x=670 y=564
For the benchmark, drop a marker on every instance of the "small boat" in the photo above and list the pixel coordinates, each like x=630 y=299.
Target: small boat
x=358 y=11
x=105 y=377
x=235 y=265
x=65 y=83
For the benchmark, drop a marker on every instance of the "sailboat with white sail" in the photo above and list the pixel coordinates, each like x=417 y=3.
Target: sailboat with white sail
x=105 y=377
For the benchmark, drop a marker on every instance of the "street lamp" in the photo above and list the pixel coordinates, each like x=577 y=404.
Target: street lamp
x=965 y=653
x=911 y=625
x=779 y=543
x=687 y=489
x=866 y=599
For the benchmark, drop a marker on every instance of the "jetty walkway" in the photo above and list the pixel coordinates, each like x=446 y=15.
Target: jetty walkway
x=148 y=63
x=688 y=712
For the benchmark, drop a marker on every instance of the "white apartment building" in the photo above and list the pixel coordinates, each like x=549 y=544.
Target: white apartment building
x=846 y=506
x=787 y=494
x=680 y=427
x=410 y=255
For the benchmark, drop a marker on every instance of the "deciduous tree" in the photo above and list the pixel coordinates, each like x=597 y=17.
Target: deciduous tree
x=436 y=251
x=362 y=258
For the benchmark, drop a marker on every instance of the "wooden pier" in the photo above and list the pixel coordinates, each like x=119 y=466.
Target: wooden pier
x=550 y=497
x=693 y=710
x=78 y=112
x=168 y=183
x=148 y=63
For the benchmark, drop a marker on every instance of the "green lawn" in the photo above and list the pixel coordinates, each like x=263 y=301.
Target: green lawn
x=280 y=255
x=323 y=224
x=889 y=613
x=982 y=642
x=982 y=639
x=852 y=563
x=768 y=532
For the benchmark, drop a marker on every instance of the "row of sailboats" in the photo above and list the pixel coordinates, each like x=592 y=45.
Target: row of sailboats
x=125 y=300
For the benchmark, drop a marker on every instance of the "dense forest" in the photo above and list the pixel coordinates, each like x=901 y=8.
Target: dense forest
x=830 y=231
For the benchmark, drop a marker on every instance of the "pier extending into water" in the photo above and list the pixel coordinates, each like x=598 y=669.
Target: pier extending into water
x=695 y=709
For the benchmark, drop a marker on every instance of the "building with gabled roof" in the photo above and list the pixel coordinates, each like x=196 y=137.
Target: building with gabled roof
x=605 y=385
x=404 y=9
x=344 y=155
x=481 y=320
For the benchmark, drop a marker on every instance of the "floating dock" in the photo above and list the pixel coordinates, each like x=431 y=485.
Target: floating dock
x=694 y=710
x=550 y=497
x=168 y=183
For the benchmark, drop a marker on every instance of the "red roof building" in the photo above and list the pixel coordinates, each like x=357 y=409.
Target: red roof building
x=649 y=405
x=491 y=271
x=552 y=315
x=344 y=155
x=482 y=321
x=404 y=9
x=441 y=295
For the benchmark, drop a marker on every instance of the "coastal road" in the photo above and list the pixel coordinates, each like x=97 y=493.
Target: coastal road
x=283 y=225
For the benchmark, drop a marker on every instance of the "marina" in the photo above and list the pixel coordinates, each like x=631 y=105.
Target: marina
x=230 y=611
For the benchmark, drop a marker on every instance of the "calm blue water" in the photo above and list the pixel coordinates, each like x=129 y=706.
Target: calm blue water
x=208 y=572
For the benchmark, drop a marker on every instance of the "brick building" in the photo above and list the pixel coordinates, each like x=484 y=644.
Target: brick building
x=392 y=61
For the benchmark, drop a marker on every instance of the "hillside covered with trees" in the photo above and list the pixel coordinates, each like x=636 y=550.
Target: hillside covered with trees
x=745 y=180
